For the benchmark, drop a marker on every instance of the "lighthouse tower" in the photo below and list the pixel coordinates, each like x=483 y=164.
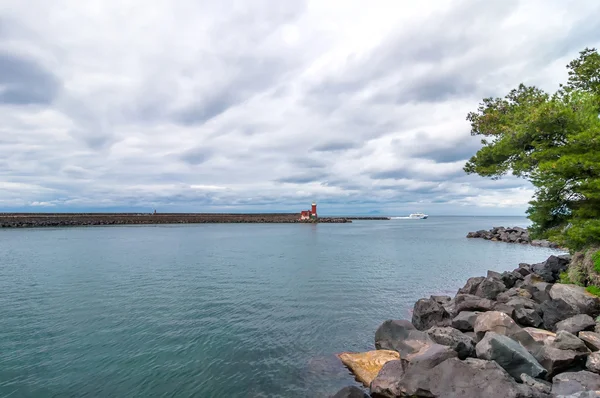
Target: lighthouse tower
x=313 y=210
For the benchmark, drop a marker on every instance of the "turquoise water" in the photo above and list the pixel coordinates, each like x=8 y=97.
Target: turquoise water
x=226 y=310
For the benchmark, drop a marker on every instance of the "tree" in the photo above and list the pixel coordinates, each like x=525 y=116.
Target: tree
x=554 y=142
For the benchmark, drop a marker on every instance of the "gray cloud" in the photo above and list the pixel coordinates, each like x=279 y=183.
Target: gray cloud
x=265 y=106
x=23 y=81
x=334 y=146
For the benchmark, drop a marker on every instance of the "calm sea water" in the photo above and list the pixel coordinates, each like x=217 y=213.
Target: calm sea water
x=229 y=310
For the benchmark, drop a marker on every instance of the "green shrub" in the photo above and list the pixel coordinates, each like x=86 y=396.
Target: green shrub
x=596 y=259
x=564 y=278
x=595 y=290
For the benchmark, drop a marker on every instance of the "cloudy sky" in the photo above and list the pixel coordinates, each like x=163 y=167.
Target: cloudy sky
x=202 y=105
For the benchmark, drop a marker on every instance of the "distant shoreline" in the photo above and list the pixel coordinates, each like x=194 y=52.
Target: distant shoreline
x=35 y=220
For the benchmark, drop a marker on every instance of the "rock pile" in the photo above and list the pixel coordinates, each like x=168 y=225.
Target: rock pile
x=510 y=235
x=511 y=334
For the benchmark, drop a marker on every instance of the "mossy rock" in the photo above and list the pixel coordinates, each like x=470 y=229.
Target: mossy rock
x=585 y=267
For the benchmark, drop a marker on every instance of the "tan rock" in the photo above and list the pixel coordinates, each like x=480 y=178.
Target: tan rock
x=494 y=321
x=591 y=339
x=366 y=365
x=541 y=335
x=593 y=362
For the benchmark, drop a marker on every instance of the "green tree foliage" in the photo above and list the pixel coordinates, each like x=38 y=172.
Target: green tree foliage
x=553 y=140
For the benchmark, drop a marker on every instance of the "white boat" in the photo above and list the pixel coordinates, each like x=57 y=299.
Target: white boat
x=418 y=216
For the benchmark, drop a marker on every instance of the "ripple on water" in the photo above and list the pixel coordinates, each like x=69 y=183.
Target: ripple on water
x=219 y=310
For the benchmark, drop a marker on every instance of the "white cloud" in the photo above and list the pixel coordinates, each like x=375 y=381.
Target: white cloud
x=264 y=105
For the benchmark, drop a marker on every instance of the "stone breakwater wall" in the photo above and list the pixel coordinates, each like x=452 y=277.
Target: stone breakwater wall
x=510 y=235
x=20 y=220
x=514 y=334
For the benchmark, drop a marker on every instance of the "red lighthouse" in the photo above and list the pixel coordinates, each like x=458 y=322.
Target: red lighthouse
x=313 y=210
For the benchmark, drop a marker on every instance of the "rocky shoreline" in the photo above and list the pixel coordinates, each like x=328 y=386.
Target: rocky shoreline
x=510 y=235
x=519 y=333
x=30 y=220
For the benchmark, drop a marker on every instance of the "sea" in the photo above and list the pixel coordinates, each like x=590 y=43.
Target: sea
x=221 y=310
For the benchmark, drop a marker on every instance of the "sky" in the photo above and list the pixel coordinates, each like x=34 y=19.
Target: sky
x=248 y=106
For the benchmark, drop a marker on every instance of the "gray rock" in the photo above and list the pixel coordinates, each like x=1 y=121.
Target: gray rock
x=580 y=394
x=510 y=278
x=428 y=313
x=568 y=341
x=577 y=298
x=550 y=269
x=513 y=292
x=386 y=382
x=573 y=382
x=576 y=324
x=593 y=362
x=471 y=286
x=469 y=302
x=509 y=354
x=441 y=299
x=455 y=339
x=465 y=320
x=591 y=339
x=523 y=302
x=503 y=307
x=527 y=317
x=490 y=288
x=401 y=336
x=555 y=311
x=350 y=392
x=556 y=361
x=524 y=269
x=539 y=289
x=471 y=378
x=431 y=356
x=494 y=274
x=542 y=386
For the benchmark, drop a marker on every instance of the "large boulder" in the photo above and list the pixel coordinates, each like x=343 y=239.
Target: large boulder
x=591 y=339
x=469 y=302
x=555 y=311
x=541 y=335
x=366 y=365
x=577 y=298
x=471 y=286
x=550 y=269
x=523 y=302
x=494 y=321
x=388 y=378
x=350 y=392
x=509 y=354
x=510 y=278
x=576 y=324
x=455 y=339
x=471 y=378
x=541 y=386
x=568 y=341
x=555 y=360
x=428 y=313
x=465 y=321
x=537 y=287
x=431 y=355
x=574 y=382
x=441 y=299
x=504 y=297
x=490 y=288
x=593 y=362
x=527 y=317
x=401 y=336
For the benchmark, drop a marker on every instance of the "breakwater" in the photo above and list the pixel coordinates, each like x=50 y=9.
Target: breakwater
x=510 y=235
x=520 y=333
x=24 y=220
